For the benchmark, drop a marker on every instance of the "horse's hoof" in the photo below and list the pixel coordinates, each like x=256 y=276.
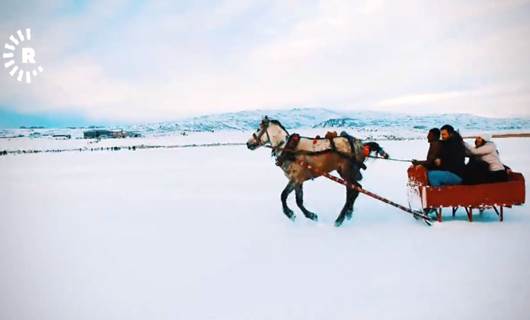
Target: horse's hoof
x=290 y=214
x=338 y=223
x=349 y=215
x=313 y=217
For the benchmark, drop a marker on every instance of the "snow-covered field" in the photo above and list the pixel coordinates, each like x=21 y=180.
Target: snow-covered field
x=198 y=233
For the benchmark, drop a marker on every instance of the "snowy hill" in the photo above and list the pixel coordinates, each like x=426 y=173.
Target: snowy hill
x=460 y=121
x=242 y=121
x=303 y=118
x=366 y=124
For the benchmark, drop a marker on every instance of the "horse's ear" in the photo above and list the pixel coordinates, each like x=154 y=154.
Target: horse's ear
x=264 y=121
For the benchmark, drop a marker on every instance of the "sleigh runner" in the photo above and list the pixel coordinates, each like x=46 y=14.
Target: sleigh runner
x=496 y=196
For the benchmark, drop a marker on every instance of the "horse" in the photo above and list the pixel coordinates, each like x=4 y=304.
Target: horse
x=344 y=154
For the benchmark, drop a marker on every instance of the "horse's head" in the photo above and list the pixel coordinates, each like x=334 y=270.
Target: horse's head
x=270 y=132
x=370 y=147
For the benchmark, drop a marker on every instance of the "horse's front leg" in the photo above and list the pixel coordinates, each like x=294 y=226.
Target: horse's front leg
x=299 y=192
x=355 y=177
x=350 y=176
x=347 y=209
x=285 y=193
x=351 y=201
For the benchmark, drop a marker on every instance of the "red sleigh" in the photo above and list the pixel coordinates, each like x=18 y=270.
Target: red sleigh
x=481 y=196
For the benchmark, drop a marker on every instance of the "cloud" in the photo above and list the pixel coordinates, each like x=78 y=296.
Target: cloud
x=139 y=61
x=421 y=99
x=488 y=101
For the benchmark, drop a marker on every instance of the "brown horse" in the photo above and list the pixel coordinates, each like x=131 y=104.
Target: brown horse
x=343 y=154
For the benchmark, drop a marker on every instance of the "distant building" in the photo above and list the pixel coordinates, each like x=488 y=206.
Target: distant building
x=62 y=136
x=97 y=134
x=108 y=134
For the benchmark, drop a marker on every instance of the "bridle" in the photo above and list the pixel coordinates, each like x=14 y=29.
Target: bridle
x=276 y=150
x=264 y=130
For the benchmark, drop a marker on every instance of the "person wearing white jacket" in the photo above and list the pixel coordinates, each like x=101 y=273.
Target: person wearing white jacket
x=485 y=165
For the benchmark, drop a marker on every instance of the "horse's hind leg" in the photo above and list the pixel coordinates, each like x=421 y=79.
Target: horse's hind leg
x=285 y=193
x=300 y=202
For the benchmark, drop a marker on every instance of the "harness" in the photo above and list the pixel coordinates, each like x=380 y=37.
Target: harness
x=288 y=151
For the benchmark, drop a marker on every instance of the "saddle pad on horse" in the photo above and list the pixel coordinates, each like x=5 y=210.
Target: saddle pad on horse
x=347 y=147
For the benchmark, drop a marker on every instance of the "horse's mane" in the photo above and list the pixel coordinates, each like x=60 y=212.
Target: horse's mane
x=276 y=122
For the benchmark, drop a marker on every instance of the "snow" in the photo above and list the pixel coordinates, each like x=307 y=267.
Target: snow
x=198 y=233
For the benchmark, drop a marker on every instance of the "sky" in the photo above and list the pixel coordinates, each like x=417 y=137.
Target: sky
x=143 y=61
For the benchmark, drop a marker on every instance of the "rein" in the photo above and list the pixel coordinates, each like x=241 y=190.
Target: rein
x=389 y=159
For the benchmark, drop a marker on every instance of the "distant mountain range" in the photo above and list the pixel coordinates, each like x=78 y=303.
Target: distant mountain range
x=367 y=122
x=299 y=118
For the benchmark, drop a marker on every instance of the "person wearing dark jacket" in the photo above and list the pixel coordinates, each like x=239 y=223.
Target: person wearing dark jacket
x=451 y=164
x=435 y=150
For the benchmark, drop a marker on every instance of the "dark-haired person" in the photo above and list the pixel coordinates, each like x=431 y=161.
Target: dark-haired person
x=485 y=165
x=435 y=150
x=451 y=164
